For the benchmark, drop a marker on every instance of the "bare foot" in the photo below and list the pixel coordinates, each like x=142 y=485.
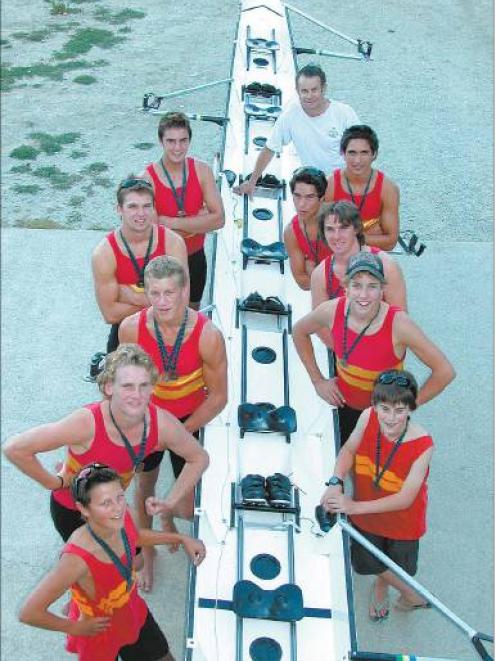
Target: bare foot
x=406 y=605
x=145 y=576
x=168 y=525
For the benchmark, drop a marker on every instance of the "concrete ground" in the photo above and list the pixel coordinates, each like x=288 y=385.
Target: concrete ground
x=429 y=96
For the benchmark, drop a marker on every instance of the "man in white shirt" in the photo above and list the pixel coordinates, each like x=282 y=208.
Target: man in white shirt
x=313 y=123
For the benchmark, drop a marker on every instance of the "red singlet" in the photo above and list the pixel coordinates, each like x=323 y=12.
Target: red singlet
x=185 y=394
x=372 y=355
x=103 y=450
x=127 y=609
x=125 y=273
x=333 y=284
x=315 y=251
x=166 y=204
x=372 y=207
x=409 y=523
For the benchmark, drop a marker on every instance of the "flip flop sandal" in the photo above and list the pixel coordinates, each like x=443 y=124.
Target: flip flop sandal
x=405 y=607
x=378 y=606
x=274 y=304
x=254 y=301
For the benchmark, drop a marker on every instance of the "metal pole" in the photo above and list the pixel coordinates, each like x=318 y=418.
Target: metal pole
x=382 y=557
x=322 y=25
x=327 y=53
x=189 y=90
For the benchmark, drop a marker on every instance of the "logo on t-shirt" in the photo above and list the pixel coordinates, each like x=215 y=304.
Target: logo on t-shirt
x=333 y=133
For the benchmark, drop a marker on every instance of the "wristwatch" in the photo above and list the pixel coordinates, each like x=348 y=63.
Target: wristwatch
x=334 y=482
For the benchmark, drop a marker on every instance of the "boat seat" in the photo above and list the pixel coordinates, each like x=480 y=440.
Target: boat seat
x=258 y=43
x=273 y=251
x=284 y=604
x=265 y=417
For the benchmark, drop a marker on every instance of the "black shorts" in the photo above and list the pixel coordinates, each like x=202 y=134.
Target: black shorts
x=155 y=459
x=65 y=520
x=197 y=264
x=113 y=338
x=404 y=552
x=348 y=418
x=151 y=645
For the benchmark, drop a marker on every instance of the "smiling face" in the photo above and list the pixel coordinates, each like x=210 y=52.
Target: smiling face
x=306 y=200
x=364 y=292
x=167 y=298
x=136 y=212
x=311 y=93
x=392 y=418
x=341 y=239
x=107 y=506
x=130 y=391
x=358 y=157
x=175 y=143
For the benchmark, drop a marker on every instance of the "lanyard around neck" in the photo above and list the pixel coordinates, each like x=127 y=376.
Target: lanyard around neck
x=136 y=458
x=350 y=191
x=139 y=271
x=125 y=570
x=346 y=351
x=389 y=459
x=179 y=199
x=169 y=360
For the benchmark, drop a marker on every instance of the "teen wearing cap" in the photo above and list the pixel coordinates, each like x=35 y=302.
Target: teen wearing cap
x=367 y=336
x=119 y=260
x=304 y=244
x=107 y=617
x=388 y=455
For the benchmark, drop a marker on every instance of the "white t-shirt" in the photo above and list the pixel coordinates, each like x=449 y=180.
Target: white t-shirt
x=316 y=139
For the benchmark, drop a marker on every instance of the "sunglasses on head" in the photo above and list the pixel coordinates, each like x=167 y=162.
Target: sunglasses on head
x=129 y=183
x=86 y=473
x=389 y=377
x=309 y=170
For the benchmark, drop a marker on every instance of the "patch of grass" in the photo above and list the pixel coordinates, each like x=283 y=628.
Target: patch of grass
x=21 y=169
x=103 y=182
x=84 y=40
x=56 y=177
x=4 y=42
x=85 y=79
x=125 y=30
x=117 y=18
x=96 y=168
x=143 y=145
x=76 y=200
x=75 y=217
x=9 y=76
x=88 y=189
x=58 y=8
x=44 y=33
x=24 y=153
x=77 y=153
x=26 y=189
x=52 y=144
x=38 y=224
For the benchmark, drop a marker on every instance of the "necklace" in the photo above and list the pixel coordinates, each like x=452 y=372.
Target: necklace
x=333 y=293
x=350 y=191
x=389 y=459
x=136 y=458
x=125 y=570
x=139 y=271
x=313 y=251
x=178 y=199
x=346 y=351
x=169 y=360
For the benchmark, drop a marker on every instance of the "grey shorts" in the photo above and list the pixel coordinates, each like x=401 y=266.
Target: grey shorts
x=404 y=552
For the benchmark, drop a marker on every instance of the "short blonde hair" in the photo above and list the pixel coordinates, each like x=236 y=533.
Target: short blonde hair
x=124 y=356
x=163 y=267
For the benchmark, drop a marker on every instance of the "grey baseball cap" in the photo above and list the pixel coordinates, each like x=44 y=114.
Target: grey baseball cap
x=365 y=261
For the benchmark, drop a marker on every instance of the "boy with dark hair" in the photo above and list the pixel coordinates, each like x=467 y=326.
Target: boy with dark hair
x=389 y=457
x=376 y=196
x=301 y=236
